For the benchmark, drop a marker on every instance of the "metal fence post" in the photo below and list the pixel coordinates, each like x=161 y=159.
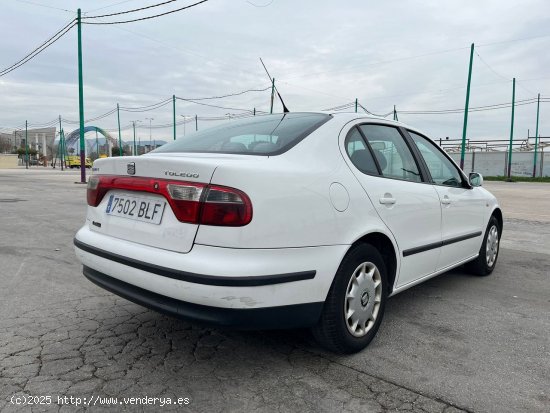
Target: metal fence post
x=536 y=138
x=466 y=108
x=512 y=129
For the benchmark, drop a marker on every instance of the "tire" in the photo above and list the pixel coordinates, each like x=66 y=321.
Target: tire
x=486 y=261
x=335 y=331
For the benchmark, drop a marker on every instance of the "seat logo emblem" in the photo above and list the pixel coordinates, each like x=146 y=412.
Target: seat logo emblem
x=131 y=168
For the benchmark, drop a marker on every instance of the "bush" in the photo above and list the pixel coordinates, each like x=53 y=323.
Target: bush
x=518 y=178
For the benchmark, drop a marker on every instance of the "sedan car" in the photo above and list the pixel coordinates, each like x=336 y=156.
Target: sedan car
x=283 y=221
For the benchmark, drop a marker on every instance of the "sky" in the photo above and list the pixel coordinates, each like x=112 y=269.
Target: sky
x=323 y=54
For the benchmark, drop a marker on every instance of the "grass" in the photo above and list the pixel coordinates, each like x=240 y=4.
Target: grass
x=518 y=178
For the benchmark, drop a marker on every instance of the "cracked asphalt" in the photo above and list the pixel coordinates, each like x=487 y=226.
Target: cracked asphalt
x=455 y=343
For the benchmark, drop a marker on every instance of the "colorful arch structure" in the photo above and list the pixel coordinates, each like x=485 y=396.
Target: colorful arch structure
x=74 y=136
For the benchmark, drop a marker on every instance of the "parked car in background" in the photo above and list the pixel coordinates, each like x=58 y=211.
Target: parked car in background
x=73 y=161
x=287 y=220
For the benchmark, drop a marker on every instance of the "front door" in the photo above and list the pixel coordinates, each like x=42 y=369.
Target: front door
x=462 y=206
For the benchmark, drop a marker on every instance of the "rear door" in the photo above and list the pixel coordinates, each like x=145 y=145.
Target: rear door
x=462 y=206
x=410 y=208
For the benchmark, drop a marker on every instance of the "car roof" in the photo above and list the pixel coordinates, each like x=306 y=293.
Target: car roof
x=346 y=117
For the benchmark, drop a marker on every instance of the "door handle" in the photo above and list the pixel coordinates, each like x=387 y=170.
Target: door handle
x=387 y=201
x=446 y=200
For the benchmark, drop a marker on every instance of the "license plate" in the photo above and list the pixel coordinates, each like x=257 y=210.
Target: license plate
x=136 y=208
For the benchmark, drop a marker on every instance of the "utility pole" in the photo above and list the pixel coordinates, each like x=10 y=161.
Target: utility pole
x=356 y=103
x=26 y=147
x=466 y=108
x=174 y=113
x=536 y=138
x=254 y=111
x=512 y=129
x=272 y=94
x=395 y=115
x=119 y=136
x=196 y=123
x=81 y=102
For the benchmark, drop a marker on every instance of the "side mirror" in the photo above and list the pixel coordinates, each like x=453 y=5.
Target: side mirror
x=475 y=179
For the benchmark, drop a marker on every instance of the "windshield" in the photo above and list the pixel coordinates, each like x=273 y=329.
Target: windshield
x=259 y=135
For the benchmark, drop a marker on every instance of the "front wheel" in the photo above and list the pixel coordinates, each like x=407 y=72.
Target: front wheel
x=486 y=261
x=355 y=303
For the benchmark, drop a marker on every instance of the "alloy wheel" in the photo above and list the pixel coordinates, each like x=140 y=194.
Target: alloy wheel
x=491 y=249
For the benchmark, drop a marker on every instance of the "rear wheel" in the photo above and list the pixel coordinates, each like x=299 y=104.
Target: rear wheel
x=355 y=303
x=485 y=263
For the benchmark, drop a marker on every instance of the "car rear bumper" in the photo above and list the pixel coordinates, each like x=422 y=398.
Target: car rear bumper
x=288 y=316
x=210 y=281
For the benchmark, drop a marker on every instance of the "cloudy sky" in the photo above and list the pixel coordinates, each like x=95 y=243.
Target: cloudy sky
x=412 y=54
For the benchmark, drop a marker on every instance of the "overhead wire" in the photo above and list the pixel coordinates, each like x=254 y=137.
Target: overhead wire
x=507 y=78
x=232 y=94
x=144 y=18
x=518 y=39
x=340 y=107
x=109 y=6
x=212 y=106
x=399 y=59
x=146 y=108
x=373 y=114
x=472 y=109
x=43 y=124
x=58 y=35
x=130 y=11
x=45 y=5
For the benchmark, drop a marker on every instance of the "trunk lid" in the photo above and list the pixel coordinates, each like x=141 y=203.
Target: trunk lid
x=168 y=233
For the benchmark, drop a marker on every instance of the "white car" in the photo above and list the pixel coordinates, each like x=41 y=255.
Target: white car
x=287 y=220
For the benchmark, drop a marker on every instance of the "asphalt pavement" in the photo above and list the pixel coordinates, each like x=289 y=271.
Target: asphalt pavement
x=456 y=342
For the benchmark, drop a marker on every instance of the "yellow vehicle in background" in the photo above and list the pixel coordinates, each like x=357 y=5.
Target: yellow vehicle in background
x=73 y=161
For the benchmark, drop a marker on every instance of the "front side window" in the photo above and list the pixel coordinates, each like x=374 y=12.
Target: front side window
x=442 y=170
x=259 y=135
x=392 y=153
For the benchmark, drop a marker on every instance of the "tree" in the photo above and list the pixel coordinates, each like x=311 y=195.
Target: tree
x=21 y=151
x=5 y=145
x=116 y=151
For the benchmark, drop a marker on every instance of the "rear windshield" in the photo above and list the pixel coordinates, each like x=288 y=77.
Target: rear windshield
x=259 y=135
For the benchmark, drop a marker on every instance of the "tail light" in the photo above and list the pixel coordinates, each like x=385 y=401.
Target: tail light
x=191 y=202
x=226 y=207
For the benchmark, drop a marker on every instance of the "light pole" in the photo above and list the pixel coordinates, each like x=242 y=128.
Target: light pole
x=184 y=122
x=96 y=144
x=26 y=146
x=134 y=125
x=150 y=134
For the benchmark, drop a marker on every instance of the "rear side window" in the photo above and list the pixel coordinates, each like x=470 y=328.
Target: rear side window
x=359 y=154
x=259 y=135
x=392 y=153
